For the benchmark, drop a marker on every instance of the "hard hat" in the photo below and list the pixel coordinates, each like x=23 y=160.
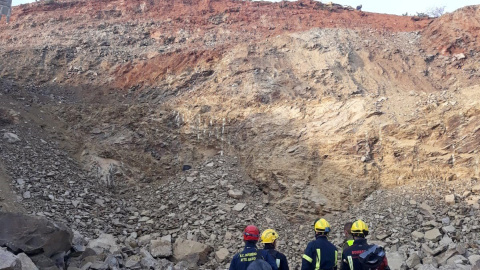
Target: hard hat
x=359 y=227
x=321 y=225
x=251 y=233
x=269 y=236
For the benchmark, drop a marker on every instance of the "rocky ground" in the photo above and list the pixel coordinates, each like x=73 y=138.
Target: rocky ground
x=156 y=139
x=145 y=91
x=202 y=211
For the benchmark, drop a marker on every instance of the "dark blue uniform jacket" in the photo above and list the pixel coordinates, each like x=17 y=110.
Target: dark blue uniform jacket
x=350 y=256
x=320 y=255
x=280 y=258
x=243 y=259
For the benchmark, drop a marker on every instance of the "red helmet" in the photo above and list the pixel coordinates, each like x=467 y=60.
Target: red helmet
x=251 y=233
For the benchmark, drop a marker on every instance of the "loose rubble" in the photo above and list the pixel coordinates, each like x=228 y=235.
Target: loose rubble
x=163 y=166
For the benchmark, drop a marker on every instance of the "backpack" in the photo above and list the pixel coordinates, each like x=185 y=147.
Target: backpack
x=372 y=258
x=259 y=263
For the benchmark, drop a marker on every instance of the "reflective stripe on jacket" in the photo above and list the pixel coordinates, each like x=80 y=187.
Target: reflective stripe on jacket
x=320 y=255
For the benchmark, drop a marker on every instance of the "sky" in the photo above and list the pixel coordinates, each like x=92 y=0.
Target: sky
x=385 y=6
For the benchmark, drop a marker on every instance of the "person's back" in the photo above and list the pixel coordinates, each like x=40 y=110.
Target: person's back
x=320 y=253
x=347 y=242
x=242 y=260
x=280 y=258
x=351 y=255
x=269 y=239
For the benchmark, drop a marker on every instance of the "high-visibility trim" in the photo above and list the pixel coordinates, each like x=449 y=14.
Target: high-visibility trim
x=278 y=263
x=319 y=257
x=307 y=258
x=350 y=242
x=350 y=262
x=336 y=257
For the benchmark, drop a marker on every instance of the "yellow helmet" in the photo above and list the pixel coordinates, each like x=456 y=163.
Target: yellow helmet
x=359 y=227
x=322 y=226
x=269 y=236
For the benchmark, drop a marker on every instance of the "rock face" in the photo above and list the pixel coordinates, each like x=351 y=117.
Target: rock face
x=268 y=117
x=33 y=235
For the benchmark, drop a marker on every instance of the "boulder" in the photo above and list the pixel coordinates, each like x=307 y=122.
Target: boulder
x=105 y=242
x=427 y=267
x=161 y=248
x=11 y=137
x=191 y=251
x=33 y=235
x=27 y=263
x=450 y=199
x=433 y=235
x=147 y=261
x=8 y=261
x=418 y=235
x=235 y=193
x=239 y=207
x=442 y=258
x=446 y=240
x=430 y=260
x=473 y=259
x=457 y=259
x=133 y=262
x=222 y=254
x=413 y=260
x=476 y=266
x=395 y=260
x=164 y=264
x=43 y=262
x=446 y=221
x=448 y=229
x=426 y=209
x=113 y=261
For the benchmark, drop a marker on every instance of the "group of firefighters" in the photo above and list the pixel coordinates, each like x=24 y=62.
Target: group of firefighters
x=320 y=254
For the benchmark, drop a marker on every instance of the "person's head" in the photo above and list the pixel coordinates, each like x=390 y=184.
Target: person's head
x=251 y=234
x=347 y=228
x=322 y=227
x=359 y=229
x=269 y=237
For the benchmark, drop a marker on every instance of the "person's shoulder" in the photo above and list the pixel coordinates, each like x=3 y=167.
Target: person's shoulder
x=349 y=249
x=281 y=255
x=332 y=245
x=236 y=256
x=264 y=252
x=311 y=243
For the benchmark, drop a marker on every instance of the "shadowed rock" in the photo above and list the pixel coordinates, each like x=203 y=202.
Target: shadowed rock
x=33 y=235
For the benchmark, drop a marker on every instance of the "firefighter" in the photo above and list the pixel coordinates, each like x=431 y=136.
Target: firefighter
x=320 y=253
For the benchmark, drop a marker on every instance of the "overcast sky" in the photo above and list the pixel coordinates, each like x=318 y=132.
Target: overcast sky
x=385 y=6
